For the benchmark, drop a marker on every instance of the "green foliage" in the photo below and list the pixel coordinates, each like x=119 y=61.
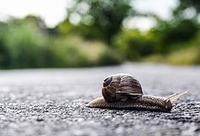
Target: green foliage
x=28 y=43
x=109 y=57
x=185 y=56
x=134 y=45
x=104 y=17
x=183 y=31
x=66 y=54
x=170 y=34
x=186 y=4
x=189 y=55
x=74 y=52
x=25 y=47
x=4 y=53
x=64 y=28
x=25 y=44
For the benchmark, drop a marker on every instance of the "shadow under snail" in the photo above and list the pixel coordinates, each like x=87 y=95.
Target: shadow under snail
x=122 y=91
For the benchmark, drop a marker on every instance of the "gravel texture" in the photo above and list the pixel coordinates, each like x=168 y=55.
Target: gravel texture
x=52 y=102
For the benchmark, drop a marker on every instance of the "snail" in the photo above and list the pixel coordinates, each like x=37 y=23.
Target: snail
x=122 y=91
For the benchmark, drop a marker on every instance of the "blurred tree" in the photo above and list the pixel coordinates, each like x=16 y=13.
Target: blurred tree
x=174 y=32
x=64 y=28
x=181 y=32
x=35 y=20
x=187 y=9
x=25 y=44
x=100 y=18
x=133 y=44
x=36 y=24
x=181 y=28
x=4 y=53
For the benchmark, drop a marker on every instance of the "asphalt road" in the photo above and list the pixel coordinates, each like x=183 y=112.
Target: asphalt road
x=52 y=102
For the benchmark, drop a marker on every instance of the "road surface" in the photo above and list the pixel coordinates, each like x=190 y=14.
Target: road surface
x=51 y=102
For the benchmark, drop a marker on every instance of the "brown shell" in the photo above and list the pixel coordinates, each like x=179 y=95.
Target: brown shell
x=121 y=87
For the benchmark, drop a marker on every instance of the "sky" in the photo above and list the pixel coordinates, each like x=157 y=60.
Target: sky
x=54 y=11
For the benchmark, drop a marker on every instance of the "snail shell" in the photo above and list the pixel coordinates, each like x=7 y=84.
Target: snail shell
x=122 y=91
x=121 y=87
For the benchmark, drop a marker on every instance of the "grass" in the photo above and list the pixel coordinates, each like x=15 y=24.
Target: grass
x=73 y=51
x=185 y=56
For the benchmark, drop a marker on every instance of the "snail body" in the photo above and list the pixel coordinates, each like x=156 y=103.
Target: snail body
x=122 y=91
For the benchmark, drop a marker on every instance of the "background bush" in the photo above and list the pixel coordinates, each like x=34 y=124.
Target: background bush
x=25 y=47
x=134 y=45
x=101 y=37
x=189 y=54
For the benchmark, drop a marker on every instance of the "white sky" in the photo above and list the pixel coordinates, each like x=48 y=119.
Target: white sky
x=54 y=11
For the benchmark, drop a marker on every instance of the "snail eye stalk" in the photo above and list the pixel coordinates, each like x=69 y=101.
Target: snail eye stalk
x=107 y=81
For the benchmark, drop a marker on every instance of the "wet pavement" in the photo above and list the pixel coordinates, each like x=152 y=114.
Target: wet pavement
x=52 y=102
